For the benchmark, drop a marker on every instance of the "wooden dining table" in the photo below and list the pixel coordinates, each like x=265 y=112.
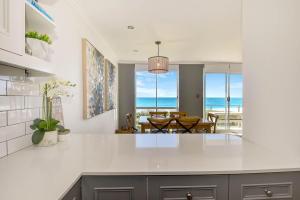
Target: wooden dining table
x=203 y=124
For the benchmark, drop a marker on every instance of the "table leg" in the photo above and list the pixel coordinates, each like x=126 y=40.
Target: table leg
x=208 y=129
x=142 y=128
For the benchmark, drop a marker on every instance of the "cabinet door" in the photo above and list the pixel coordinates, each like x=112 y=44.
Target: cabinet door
x=212 y=187
x=12 y=26
x=114 y=188
x=280 y=186
x=74 y=193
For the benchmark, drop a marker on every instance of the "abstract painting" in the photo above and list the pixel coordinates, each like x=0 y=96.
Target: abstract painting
x=93 y=81
x=111 y=87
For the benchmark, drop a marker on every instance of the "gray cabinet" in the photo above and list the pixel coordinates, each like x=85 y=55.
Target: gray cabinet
x=280 y=186
x=210 y=187
x=74 y=193
x=114 y=188
x=265 y=186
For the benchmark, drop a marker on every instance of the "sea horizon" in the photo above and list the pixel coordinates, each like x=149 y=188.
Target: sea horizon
x=216 y=103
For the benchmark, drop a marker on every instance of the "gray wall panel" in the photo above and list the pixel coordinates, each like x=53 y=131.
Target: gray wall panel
x=126 y=91
x=191 y=88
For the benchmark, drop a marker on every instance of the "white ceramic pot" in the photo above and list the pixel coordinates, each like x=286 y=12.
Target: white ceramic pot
x=63 y=137
x=38 y=48
x=50 y=138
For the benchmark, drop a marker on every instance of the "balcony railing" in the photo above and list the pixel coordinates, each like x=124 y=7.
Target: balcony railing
x=235 y=116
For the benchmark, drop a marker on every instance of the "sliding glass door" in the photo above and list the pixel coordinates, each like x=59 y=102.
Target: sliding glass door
x=223 y=96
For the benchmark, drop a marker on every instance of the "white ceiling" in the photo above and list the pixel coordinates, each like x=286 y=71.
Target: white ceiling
x=191 y=31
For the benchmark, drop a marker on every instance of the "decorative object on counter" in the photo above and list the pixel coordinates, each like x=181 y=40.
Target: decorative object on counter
x=110 y=83
x=57 y=110
x=45 y=129
x=93 y=80
x=38 y=45
x=63 y=133
x=45 y=132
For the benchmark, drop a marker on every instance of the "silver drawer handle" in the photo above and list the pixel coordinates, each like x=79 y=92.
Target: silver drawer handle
x=189 y=196
x=269 y=193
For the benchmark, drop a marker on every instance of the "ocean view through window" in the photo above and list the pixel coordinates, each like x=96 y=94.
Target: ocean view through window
x=224 y=97
x=167 y=91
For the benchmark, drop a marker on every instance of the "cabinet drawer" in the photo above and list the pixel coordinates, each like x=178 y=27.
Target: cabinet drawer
x=178 y=187
x=271 y=190
x=181 y=192
x=280 y=186
x=114 y=188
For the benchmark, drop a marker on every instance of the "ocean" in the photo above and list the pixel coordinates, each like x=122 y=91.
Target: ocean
x=169 y=102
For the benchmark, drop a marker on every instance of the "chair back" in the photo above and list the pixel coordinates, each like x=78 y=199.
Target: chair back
x=187 y=124
x=130 y=123
x=178 y=114
x=158 y=114
x=213 y=118
x=159 y=125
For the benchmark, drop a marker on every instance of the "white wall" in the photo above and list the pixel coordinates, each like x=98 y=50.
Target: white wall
x=271 y=42
x=72 y=26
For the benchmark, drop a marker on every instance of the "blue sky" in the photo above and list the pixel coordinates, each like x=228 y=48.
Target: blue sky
x=167 y=84
x=215 y=85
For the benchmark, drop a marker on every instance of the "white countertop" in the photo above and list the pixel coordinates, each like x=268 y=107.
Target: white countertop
x=47 y=173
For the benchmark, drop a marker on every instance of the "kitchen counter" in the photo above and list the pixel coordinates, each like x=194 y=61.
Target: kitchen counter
x=47 y=173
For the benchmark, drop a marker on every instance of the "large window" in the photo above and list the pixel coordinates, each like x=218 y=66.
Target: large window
x=156 y=92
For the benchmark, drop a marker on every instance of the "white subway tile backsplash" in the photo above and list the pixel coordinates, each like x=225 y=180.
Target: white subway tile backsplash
x=22 y=88
x=13 y=131
x=2 y=87
x=28 y=129
x=18 y=143
x=20 y=104
x=33 y=102
x=19 y=116
x=3 y=119
x=32 y=114
x=3 y=149
x=11 y=102
x=16 y=116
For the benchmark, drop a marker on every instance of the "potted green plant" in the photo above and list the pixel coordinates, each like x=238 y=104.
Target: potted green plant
x=45 y=129
x=37 y=44
x=63 y=133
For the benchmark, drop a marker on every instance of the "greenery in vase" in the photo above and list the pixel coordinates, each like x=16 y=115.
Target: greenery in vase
x=38 y=36
x=50 y=90
x=61 y=130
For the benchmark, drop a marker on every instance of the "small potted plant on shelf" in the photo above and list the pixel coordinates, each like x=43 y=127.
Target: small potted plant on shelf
x=46 y=129
x=37 y=44
x=63 y=133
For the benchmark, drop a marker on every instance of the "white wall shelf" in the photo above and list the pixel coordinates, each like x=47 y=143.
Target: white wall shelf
x=35 y=65
x=35 y=18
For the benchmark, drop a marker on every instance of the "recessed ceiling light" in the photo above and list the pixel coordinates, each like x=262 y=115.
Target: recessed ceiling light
x=130 y=27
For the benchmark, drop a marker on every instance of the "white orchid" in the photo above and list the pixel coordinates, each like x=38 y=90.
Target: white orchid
x=57 y=88
x=53 y=89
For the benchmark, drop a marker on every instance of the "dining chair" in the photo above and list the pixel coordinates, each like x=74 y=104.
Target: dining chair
x=213 y=118
x=187 y=124
x=130 y=123
x=159 y=125
x=158 y=114
x=178 y=114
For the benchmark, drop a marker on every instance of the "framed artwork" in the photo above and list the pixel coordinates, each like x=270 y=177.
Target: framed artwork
x=111 y=87
x=93 y=80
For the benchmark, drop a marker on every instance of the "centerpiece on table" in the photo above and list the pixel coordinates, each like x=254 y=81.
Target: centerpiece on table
x=46 y=129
